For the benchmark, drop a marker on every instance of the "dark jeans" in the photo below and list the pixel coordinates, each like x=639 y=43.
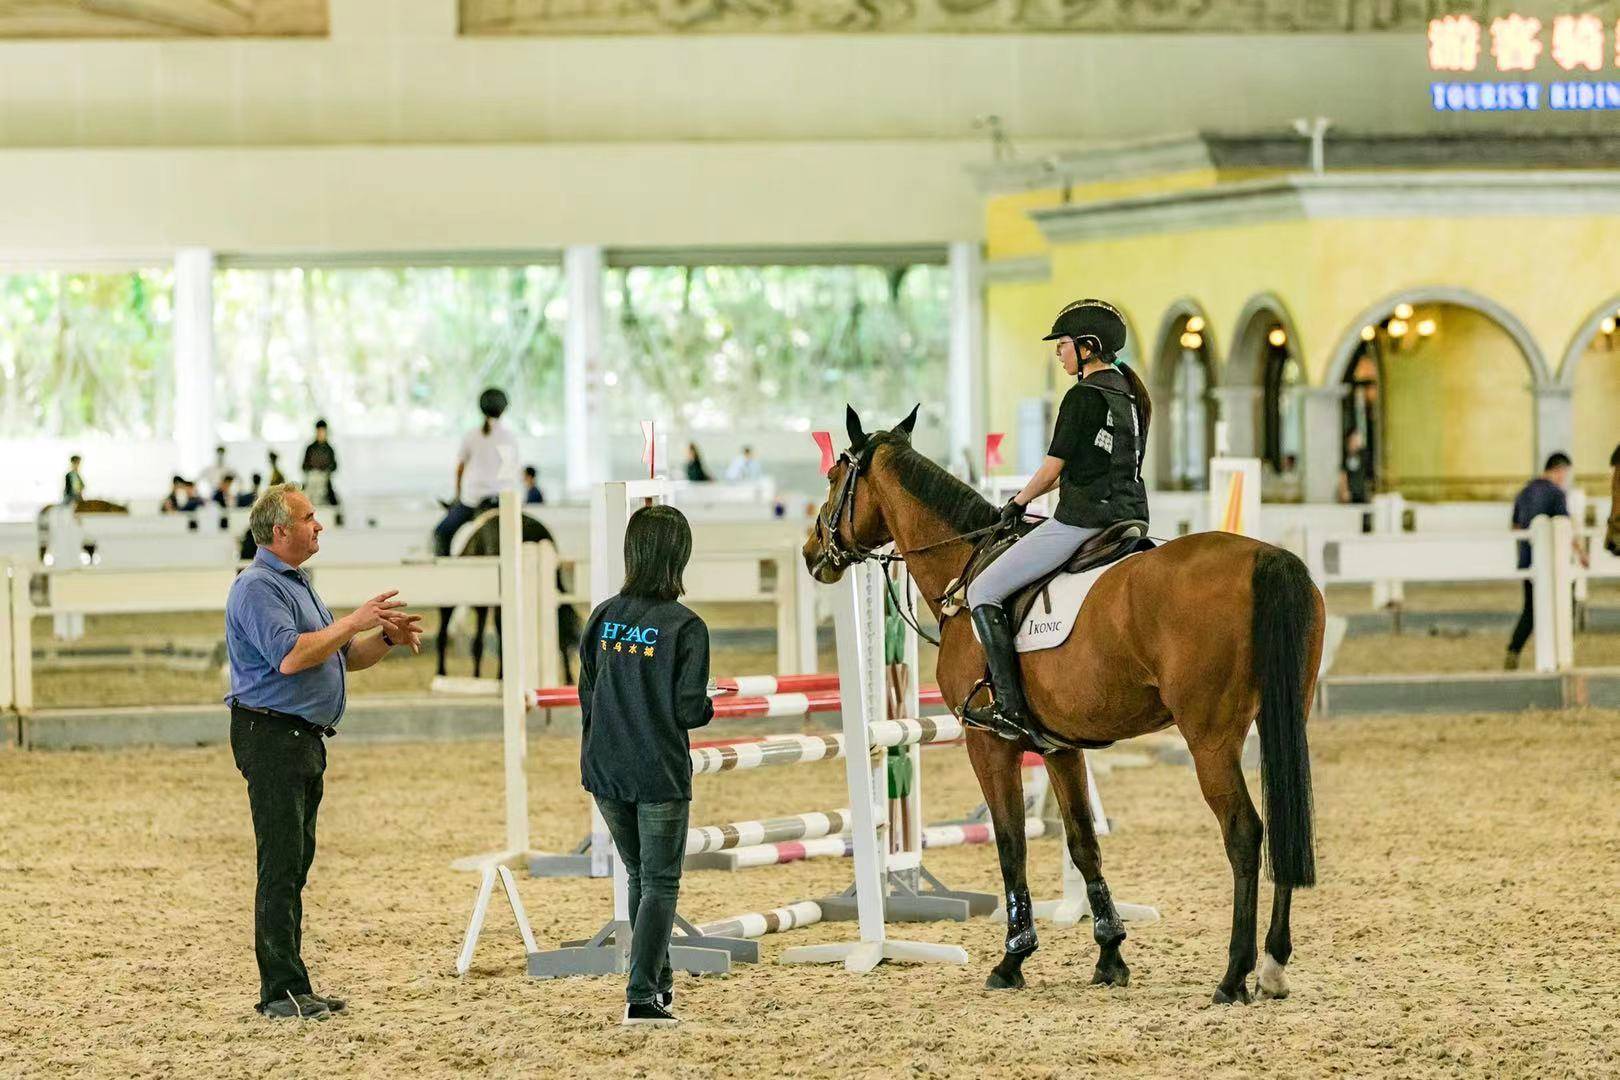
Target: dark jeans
x=1527 y=620
x=283 y=767
x=651 y=839
x=457 y=515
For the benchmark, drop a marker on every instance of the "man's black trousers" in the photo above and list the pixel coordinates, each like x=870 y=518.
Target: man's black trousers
x=283 y=765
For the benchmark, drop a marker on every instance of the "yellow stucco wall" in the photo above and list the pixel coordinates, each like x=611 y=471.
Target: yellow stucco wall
x=1457 y=408
x=1597 y=415
x=1549 y=272
x=1016 y=317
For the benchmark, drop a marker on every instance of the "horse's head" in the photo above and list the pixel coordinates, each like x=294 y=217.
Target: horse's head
x=850 y=523
x=1611 y=538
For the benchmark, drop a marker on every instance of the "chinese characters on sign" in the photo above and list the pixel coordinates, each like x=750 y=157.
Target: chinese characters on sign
x=1577 y=44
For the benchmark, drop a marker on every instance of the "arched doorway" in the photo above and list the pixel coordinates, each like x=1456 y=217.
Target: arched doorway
x=1184 y=375
x=1440 y=396
x=1590 y=373
x=1261 y=399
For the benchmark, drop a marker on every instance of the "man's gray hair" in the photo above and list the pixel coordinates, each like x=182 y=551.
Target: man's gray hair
x=270 y=510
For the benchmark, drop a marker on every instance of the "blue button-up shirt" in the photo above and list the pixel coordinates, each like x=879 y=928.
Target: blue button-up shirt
x=269 y=605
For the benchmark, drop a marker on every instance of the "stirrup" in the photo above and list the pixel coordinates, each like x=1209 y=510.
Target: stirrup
x=990 y=717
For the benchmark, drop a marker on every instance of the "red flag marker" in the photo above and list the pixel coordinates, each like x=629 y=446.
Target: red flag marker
x=992 y=450
x=824 y=440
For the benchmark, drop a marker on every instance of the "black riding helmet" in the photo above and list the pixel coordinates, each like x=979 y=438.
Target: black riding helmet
x=1096 y=323
x=492 y=403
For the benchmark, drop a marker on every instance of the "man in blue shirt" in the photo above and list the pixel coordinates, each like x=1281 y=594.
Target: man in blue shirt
x=1542 y=496
x=288 y=659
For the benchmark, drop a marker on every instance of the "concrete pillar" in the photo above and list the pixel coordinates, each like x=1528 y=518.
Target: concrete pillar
x=195 y=427
x=1555 y=426
x=966 y=384
x=1240 y=410
x=1323 y=449
x=584 y=442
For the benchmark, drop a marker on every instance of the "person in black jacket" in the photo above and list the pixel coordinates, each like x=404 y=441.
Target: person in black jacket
x=643 y=684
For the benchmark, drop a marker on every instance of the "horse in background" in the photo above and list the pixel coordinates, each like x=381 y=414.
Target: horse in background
x=486 y=540
x=81 y=507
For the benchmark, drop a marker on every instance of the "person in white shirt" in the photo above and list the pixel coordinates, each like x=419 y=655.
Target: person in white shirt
x=744 y=468
x=486 y=463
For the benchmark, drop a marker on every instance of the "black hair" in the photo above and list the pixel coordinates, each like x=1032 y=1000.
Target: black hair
x=73 y=458
x=320 y=423
x=1557 y=460
x=228 y=478
x=258 y=478
x=530 y=470
x=176 y=479
x=492 y=403
x=657 y=546
x=219 y=449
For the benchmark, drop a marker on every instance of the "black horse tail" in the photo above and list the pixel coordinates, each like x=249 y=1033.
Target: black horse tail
x=1285 y=607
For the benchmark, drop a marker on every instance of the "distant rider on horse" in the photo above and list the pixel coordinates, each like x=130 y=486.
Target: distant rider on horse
x=1095 y=462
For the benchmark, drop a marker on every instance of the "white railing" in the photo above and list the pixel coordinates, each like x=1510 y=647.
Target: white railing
x=729 y=572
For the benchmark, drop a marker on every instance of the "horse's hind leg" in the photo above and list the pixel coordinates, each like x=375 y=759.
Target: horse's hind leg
x=996 y=763
x=1068 y=776
x=1220 y=775
x=480 y=620
x=1279 y=946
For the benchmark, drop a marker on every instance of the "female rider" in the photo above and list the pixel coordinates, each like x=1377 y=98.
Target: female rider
x=1095 y=462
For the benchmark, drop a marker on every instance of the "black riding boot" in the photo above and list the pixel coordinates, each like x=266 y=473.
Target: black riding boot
x=1006 y=714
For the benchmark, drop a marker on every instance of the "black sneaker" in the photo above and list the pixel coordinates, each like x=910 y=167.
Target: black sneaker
x=300 y=1007
x=666 y=998
x=648 y=1012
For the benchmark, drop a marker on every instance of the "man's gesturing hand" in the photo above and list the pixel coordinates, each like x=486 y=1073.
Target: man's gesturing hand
x=403 y=629
x=369 y=615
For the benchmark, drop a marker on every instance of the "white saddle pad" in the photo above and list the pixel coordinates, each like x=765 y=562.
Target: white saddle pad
x=1042 y=629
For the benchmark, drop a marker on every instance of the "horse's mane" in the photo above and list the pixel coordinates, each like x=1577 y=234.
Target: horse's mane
x=962 y=508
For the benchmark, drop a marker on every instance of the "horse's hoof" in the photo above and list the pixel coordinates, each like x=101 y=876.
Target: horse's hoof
x=1273 y=981
x=1120 y=976
x=1223 y=997
x=999 y=981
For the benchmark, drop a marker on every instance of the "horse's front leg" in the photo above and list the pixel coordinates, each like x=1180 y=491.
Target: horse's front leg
x=443 y=643
x=997 y=763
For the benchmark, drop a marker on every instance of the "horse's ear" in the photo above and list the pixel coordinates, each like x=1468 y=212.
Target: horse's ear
x=909 y=424
x=852 y=423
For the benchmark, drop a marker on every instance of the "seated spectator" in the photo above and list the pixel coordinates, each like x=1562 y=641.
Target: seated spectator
x=225 y=490
x=531 y=486
x=695 y=472
x=175 y=501
x=744 y=468
x=248 y=498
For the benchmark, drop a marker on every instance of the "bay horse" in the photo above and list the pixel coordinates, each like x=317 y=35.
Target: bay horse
x=486 y=540
x=1207 y=633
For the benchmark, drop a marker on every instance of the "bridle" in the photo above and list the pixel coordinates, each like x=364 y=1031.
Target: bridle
x=834 y=551
x=840 y=555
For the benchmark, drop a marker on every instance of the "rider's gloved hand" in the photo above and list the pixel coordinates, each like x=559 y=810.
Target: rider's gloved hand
x=1012 y=512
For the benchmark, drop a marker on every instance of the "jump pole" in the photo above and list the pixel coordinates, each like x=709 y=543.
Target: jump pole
x=858 y=613
x=495 y=865
x=910 y=892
